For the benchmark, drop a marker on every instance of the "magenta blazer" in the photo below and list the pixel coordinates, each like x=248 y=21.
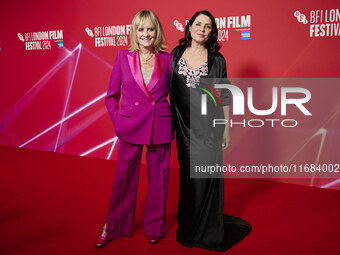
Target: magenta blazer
x=143 y=116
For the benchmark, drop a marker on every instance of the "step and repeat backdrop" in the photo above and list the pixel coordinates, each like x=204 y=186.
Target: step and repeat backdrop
x=56 y=60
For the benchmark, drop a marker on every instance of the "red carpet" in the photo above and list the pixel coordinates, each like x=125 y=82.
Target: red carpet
x=55 y=204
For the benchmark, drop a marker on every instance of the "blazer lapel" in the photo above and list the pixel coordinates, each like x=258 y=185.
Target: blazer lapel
x=176 y=54
x=133 y=59
x=157 y=71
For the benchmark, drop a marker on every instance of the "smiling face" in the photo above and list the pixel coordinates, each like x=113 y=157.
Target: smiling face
x=200 y=29
x=146 y=34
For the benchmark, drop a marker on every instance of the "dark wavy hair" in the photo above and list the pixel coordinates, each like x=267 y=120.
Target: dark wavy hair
x=211 y=44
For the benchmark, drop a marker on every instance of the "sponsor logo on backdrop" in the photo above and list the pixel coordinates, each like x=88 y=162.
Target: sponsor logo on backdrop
x=41 y=40
x=109 y=36
x=245 y=35
x=240 y=24
x=322 y=23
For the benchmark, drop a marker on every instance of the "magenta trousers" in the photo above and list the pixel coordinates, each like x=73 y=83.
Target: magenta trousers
x=122 y=207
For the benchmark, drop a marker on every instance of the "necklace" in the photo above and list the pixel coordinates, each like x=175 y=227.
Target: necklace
x=197 y=52
x=145 y=62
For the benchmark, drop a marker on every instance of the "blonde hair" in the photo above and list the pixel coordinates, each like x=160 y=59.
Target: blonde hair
x=140 y=17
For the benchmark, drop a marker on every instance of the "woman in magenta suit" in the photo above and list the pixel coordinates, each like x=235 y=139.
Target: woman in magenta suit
x=140 y=82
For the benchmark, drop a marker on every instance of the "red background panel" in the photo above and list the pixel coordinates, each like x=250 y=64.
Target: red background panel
x=40 y=88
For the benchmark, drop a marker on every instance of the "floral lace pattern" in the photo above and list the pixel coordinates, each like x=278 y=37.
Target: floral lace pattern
x=192 y=76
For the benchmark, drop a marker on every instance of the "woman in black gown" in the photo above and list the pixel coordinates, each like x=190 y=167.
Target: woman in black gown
x=201 y=221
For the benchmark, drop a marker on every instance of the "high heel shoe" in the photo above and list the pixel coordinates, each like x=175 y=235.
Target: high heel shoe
x=102 y=239
x=153 y=239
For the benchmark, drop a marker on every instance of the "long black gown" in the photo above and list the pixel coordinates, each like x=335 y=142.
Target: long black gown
x=201 y=221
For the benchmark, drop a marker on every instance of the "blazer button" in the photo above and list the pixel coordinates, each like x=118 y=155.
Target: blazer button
x=153 y=102
x=136 y=103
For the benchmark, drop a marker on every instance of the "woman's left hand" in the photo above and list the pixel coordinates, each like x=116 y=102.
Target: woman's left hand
x=226 y=133
x=226 y=142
